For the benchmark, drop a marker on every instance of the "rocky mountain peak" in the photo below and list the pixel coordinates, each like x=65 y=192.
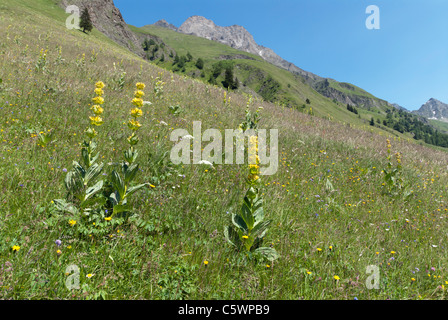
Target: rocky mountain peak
x=239 y=38
x=164 y=24
x=434 y=109
x=234 y=36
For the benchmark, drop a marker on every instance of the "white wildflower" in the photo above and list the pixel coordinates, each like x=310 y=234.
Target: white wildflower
x=206 y=163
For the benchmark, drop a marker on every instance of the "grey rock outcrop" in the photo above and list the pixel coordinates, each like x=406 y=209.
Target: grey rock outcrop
x=239 y=38
x=164 y=24
x=434 y=109
x=397 y=106
x=108 y=19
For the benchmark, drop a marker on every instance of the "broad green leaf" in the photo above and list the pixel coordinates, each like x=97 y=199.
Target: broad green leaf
x=232 y=236
x=114 y=198
x=130 y=155
x=95 y=157
x=85 y=157
x=246 y=213
x=92 y=190
x=93 y=172
x=131 y=190
x=238 y=221
x=268 y=252
x=257 y=243
x=260 y=229
x=64 y=206
x=251 y=193
x=130 y=172
x=121 y=208
x=79 y=169
x=73 y=182
x=97 y=201
x=257 y=210
x=118 y=183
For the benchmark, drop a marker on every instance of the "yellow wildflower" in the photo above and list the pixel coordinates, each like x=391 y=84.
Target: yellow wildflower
x=108 y=218
x=253 y=150
x=99 y=91
x=253 y=168
x=97 y=109
x=253 y=177
x=137 y=102
x=98 y=100
x=136 y=112
x=72 y=222
x=140 y=86
x=99 y=85
x=253 y=140
x=15 y=248
x=134 y=125
x=96 y=121
x=91 y=133
x=139 y=94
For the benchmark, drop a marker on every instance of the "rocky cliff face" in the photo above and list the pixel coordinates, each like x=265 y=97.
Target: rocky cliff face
x=434 y=109
x=108 y=20
x=239 y=38
x=162 y=23
x=397 y=106
x=324 y=88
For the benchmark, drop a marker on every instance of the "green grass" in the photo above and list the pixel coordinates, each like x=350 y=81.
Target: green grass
x=293 y=91
x=439 y=125
x=297 y=92
x=198 y=47
x=350 y=89
x=178 y=224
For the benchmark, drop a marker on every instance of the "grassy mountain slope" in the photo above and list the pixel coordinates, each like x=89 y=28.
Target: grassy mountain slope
x=198 y=47
x=329 y=216
x=211 y=52
x=327 y=98
x=293 y=87
x=440 y=125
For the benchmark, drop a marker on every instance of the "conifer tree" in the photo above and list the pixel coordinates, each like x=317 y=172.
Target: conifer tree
x=85 y=22
x=228 y=79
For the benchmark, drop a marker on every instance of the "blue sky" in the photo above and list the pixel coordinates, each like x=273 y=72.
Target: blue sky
x=405 y=61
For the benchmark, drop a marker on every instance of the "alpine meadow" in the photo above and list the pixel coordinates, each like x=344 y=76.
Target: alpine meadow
x=92 y=206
